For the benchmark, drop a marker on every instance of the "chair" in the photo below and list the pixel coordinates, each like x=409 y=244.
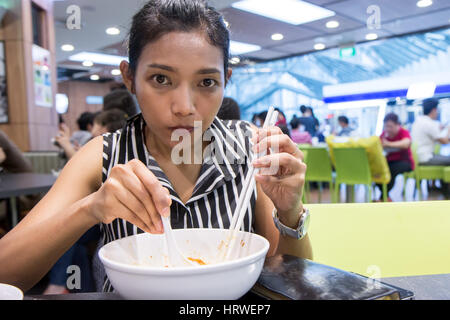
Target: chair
x=352 y=168
x=319 y=170
x=44 y=161
x=425 y=172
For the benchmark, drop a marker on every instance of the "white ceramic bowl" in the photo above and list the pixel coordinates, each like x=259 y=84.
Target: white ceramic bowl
x=137 y=266
x=9 y=292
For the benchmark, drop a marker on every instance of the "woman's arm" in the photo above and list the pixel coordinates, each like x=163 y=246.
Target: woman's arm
x=279 y=244
x=401 y=144
x=76 y=202
x=279 y=184
x=29 y=250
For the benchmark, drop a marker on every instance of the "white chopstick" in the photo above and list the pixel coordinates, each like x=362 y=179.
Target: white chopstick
x=246 y=193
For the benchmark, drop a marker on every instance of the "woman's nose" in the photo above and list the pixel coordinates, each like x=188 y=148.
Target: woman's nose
x=183 y=102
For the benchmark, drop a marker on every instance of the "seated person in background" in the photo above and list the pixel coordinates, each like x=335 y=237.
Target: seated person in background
x=120 y=99
x=109 y=121
x=396 y=142
x=426 y=132
x=11 y=157
x=346 y=130
x=307 y=120
x=85 y=123
x=229 y=110
x=298 y=133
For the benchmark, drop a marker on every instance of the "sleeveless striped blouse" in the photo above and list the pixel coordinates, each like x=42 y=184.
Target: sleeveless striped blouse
x=216 y=191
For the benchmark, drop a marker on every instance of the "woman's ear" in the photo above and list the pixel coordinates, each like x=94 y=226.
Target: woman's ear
x=228 y=76
x=127 y=77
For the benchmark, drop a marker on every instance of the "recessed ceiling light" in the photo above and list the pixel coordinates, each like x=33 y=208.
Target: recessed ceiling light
x=67 y=47
x=95 y=77
x=98 y=58
x=113 y=31
x=332 y=24
x=235 y=60
x=371 y=36
x=277 y=37
x=424 y=3
x=289 y=11
x=88 y=63
x=237 y=48
x=115 y=72
x=319 y=46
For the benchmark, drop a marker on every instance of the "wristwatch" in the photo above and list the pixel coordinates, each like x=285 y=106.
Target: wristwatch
x=298 y=233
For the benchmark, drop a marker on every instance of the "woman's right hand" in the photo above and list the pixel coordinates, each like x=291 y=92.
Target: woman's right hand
x=133 y=193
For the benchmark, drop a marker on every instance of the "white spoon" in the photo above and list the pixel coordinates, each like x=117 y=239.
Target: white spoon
x=176 y=258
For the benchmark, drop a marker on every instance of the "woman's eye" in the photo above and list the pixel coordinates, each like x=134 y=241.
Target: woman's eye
x=208 y=83
x=161 y=79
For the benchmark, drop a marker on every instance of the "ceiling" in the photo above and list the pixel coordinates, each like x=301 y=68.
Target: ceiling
x=398 y=17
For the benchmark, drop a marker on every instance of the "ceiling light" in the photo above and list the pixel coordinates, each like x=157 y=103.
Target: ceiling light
x=319 y=46
x=67 y=47
x=113 y=31
x=237 y=48
x=371 y=36
x=277 y=37
x=235 y=60
x=424 y=3
x=227 y=24
x=332 y=24
x=98 y=58
x=115 y=72
x=289 y=11
x=95 y=77
x=88 y=63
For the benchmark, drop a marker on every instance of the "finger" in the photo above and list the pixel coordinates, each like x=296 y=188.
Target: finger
x=274 y=138
x=132 y=183
x=129 y=201
x=278 y=161
x=160 y=195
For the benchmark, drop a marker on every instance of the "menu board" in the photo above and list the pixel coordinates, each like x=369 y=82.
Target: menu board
x=42 y=77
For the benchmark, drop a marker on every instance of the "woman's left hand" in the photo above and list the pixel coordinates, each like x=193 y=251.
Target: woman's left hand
x=282 y=173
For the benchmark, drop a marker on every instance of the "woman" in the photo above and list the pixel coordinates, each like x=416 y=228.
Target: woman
x=396 y=142
x=127 y=180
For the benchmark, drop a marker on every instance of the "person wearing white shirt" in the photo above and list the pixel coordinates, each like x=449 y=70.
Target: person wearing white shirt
x=426 y=132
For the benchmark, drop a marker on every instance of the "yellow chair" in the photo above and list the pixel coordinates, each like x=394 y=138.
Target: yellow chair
x=378 y=165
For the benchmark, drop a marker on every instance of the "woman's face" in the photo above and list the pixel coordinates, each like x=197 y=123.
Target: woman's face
x=179 y=80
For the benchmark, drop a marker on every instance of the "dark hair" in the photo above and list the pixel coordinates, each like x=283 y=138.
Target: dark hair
x=284 y=128
x=85 y=119
x=429 y=105
x=295 y=122
x=229 y=110
x=159 y=17
x=120 y=99
x=343 y=119
x=113 y=119
x=262 y=115
x=303 y=109
x=391 y=117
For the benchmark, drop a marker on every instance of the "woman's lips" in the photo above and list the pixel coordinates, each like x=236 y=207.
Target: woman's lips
x=190 y=129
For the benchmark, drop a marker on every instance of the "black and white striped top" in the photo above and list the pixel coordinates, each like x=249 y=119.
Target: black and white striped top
x=218 y=186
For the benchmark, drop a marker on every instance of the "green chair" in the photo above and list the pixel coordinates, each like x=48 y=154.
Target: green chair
x=319 y=170
x=352 y=168
x=425 y=172
x=447 y=175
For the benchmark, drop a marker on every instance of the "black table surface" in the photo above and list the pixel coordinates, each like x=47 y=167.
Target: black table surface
x=427 y=287
x=18 y=184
